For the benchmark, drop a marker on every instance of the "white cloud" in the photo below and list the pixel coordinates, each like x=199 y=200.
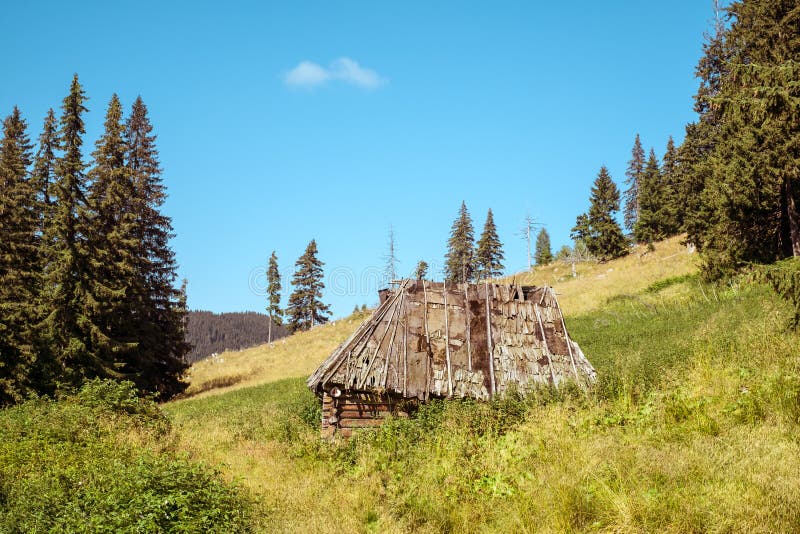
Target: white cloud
x=350 y=71
x=309 y=74
x=306 y=74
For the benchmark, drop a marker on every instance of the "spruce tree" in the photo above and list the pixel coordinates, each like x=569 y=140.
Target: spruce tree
x=753 y=189
x=544 y=254
x=460 y=257
x=273 y=294
x=649 y=226
x=19 y=261
x=305 y=309
x=421 y=271
x=65 y=271
x=634 y=173
x=670 y=211
x=160 y=354
x=489 y=252
x=43 y=175
x=598 y=229
x=694 y=168
x=114 y=284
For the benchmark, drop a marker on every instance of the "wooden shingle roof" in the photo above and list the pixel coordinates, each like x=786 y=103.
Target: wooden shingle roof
x=432 y=339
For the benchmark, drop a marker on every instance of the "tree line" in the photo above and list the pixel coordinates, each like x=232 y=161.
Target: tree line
x=86 y=272
x=733 y=185
x=208 y=332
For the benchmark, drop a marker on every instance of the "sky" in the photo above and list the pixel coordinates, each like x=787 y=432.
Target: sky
x=282 y=122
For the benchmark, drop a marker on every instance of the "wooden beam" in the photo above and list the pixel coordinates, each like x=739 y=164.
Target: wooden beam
x=489 y=341
x=447 y=343
x=466 y=314
x=428 y=372
x=566 y=337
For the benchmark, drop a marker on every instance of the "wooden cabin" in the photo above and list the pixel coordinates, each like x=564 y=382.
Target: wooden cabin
x=442 y=340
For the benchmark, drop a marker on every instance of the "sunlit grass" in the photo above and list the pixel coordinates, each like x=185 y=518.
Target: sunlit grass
x=595 y=282
x=692 y=427
x=296 y=355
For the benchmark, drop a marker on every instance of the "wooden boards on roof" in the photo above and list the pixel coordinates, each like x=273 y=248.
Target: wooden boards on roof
x=456 y=340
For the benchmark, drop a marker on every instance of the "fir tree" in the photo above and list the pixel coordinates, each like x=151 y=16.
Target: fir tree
x=43 y=175
x=752 y=192
x=598 y=229
x=650 y=227
x=694 y=168
x=66 y=271
x=460 y=259
x=113 y=249
x=421 y=271
x=670 y=211
x=274 y=294
x=489 y=253
x=634 y=173
x=544 y=254
x=160 y=355
x=19 y=261
x=305 y=309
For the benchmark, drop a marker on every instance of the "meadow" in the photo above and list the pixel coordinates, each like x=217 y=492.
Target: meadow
x=692 y=426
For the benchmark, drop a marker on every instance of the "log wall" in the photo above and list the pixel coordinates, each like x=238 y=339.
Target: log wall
x=350 y=411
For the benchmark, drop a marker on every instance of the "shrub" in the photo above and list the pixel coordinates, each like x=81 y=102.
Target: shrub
x=96 y=461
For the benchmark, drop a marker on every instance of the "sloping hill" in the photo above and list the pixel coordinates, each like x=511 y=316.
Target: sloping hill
x=595 y=282
x=296 y=355
x=300 y=354
x=692 y=426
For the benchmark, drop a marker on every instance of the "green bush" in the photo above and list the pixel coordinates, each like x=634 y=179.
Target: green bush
x=99 y=460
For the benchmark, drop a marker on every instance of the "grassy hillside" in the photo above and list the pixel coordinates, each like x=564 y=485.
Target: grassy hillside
x=297 y=355
x=693 y=426
x=595 y=282
x=300 y=354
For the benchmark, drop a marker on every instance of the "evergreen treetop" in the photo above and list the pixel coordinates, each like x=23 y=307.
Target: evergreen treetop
x=634 y=173
x=544 y=254
x=65 y=271
x=274 y=293
x=598 y=229
x=162 y=347
x=43 y=175
x=113 y=285
x=19 y=260
x=305 y=309
x=489 y=252
x=649 y=227
x=460 y=257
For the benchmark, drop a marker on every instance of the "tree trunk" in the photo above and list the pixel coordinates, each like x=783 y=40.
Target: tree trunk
x=269 y=336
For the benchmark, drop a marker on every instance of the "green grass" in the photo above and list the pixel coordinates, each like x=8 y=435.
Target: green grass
x=694 y=426
x=102 y=461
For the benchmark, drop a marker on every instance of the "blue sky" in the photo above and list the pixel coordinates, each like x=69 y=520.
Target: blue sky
x=279 y=122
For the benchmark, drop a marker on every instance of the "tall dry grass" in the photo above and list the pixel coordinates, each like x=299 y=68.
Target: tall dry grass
x=692 y=427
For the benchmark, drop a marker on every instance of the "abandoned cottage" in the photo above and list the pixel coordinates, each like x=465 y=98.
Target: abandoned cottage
x=437 y=340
